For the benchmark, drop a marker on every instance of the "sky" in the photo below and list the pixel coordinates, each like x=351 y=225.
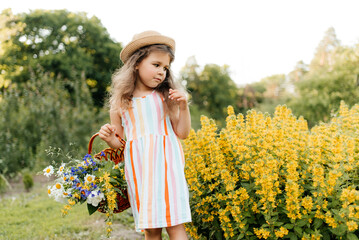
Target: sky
x=255 y=38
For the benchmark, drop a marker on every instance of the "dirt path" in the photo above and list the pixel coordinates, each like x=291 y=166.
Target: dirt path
x=120 y=231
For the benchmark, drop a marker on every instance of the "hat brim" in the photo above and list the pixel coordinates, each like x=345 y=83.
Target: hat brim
x=133 y=46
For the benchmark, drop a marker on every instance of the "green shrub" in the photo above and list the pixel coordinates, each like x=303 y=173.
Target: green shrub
x=42 y=113
x=4 y=185
x=28 y=181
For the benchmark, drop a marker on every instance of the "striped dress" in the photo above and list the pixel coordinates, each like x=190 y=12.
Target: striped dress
x=154 y=166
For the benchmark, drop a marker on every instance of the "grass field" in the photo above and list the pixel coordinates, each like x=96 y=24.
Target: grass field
x=33 y=215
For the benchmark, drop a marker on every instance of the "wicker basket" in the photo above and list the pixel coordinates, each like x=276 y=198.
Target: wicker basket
x=115 y=155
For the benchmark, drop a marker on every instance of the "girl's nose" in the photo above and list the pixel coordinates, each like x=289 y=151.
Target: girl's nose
x=161 y=71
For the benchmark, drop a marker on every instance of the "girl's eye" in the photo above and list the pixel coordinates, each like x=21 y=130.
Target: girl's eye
x=158 y=65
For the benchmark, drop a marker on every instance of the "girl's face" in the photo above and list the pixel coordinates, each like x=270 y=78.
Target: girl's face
x=152 y=70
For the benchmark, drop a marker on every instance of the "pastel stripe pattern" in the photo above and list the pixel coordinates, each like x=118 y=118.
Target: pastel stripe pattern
x=154 y=166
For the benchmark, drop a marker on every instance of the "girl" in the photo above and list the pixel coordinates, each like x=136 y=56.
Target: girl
x=151 y=110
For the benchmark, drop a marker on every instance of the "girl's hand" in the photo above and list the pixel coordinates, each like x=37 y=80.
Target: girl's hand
x=107 y=132
x=178 y=96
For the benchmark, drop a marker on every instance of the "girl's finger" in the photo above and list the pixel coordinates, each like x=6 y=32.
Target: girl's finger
x=103 y=133
x=109 y=127
x=106 y=129
x=181 y=99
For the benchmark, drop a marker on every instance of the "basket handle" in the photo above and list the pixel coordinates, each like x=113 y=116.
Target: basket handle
x=96 y=134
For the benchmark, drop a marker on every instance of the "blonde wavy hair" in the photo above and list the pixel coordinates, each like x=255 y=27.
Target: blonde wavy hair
x=124 y=79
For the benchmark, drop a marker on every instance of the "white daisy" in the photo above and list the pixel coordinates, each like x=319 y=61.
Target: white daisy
x=72 y=177
x=61 y=169
x=89 y=178
x=48 y=171
x=64 y=178
x=66 y=193
x=58 y=186
x=95 y=198
x=58 y=193
x=59 y=197
x=50 y=191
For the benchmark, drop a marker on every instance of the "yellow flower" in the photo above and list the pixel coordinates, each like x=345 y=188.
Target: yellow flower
x=281 y=232
x=262 y=165
x=262 y=233
x=307 y=203
x=352 y=226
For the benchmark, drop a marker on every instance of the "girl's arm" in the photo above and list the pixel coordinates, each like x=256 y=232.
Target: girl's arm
x=180 y=117
x=107 y=131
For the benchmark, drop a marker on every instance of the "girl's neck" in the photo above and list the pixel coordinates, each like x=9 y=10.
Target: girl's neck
x=141 y=93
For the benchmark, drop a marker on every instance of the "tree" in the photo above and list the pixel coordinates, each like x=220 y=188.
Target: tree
x=61 y=42
x=8 y=28
x=323 y=56
x=298 y=73
x=249 y=97
x=268 y=93
x=211 y=89
x=332 y=77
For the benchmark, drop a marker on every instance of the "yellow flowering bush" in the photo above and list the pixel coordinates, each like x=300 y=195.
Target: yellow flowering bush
x=264 y=177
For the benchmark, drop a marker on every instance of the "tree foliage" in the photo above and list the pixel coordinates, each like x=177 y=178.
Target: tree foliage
x=43 y=114
x=211 y=89
x=269 y=92
x=332 y=77
x=60 y=42
x=311 y=90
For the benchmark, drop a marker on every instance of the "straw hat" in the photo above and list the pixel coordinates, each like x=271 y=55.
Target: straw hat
x=145 y=39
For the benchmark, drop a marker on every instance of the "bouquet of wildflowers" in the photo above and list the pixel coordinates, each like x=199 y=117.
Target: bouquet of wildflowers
x=89 y=180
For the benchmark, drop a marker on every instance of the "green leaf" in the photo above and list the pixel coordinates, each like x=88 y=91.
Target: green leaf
x=326 y=235
x=292 y=236
x=289 y=226
x=298 y=230
x=91 y=209
x=249 y=233
x=301 y=222
x=278 y=224
x=317 y=223
x=218 y=235
x=352 y=236
x=114 y=181
x=240 y=236
x=340 y=230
